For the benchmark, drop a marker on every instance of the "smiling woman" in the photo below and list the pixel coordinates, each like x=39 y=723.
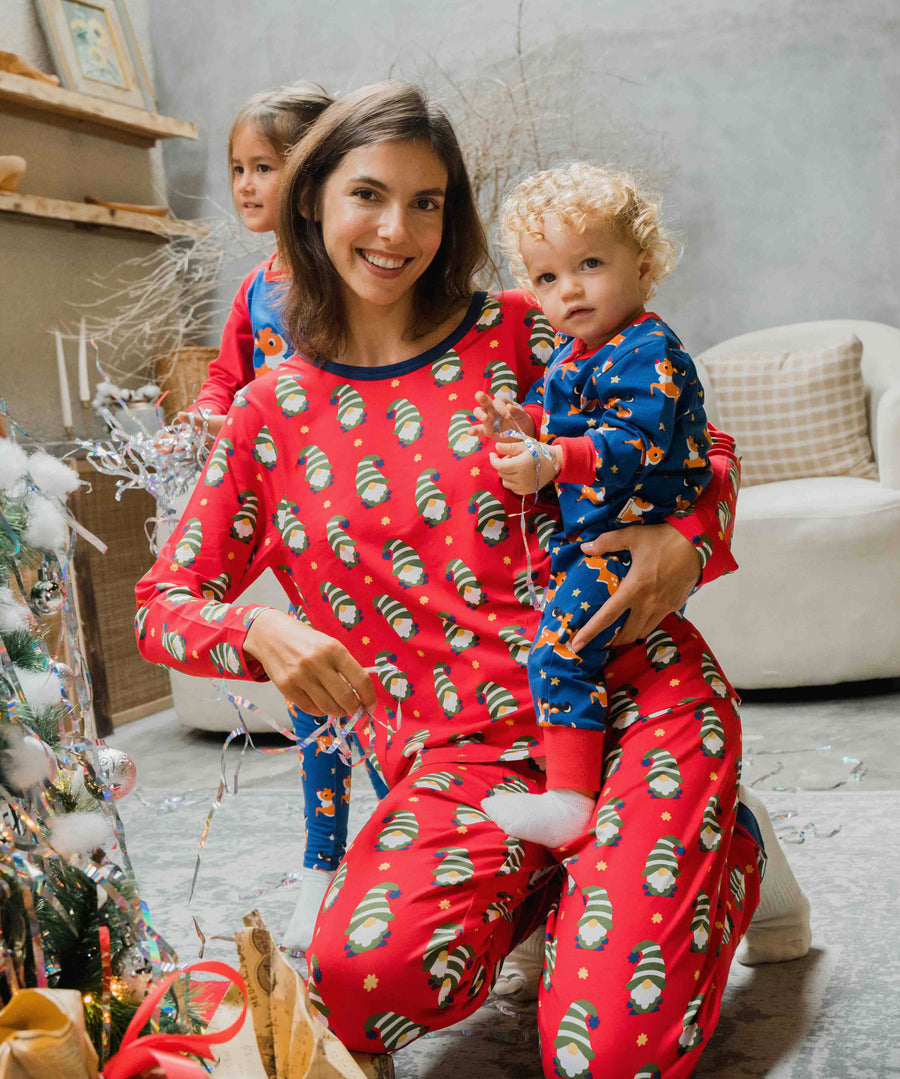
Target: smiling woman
x=352 y=471
x=386 y=164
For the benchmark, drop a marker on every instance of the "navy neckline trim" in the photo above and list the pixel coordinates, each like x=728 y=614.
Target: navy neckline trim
x=373 y=374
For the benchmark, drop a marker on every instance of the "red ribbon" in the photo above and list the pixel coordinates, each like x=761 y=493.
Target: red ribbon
x=164 y=1051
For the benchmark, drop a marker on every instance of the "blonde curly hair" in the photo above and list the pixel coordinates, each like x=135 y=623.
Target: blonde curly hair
x=582 y=195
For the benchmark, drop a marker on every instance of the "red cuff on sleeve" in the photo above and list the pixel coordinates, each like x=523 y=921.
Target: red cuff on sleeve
x=579 y=463
x=574 y=758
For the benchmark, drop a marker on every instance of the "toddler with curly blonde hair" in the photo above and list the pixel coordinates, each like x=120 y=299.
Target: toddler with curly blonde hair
x=617 y=424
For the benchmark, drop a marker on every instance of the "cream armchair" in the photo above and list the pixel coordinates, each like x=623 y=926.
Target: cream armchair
x=817 y=597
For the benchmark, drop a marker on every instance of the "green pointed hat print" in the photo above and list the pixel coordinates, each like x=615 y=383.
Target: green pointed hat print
x=340 y=542
x=460 y=437
x=470 y=589
x=371 y=485
x=351 y=410
x=398 y=617
x=264 y=449
x=407 y=420
x=290 y=394
x=217 y=466
x=573 y=1041
x=188 y=547
x=431 y=502
x=447 y=369
x=318 y=468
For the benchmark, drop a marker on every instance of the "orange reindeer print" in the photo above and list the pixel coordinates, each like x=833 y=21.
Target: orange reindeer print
x=634 y=510
x=595 y=495
x=695 y=458
x=552 y=638
x=273 y=347
x=665 y=369
x=600 y=566
x=326 y=798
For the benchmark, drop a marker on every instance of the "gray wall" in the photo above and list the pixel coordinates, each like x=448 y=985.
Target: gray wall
x=769 y=124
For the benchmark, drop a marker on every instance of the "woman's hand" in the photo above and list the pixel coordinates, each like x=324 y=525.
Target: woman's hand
x=311 y=669
x=500 y=414
x=665 y=567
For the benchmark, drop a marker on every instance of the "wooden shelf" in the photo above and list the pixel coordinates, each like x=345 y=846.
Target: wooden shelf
x=136 y=124
x=80 y=213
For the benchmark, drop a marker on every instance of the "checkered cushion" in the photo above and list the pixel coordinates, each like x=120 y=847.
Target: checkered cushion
x=795 y=414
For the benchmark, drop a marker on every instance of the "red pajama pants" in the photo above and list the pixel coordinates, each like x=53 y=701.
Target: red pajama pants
x=643 y=921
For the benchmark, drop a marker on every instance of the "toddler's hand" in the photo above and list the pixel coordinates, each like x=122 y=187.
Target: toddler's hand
x=214 y=423
x=519 y=470
x=501 y=414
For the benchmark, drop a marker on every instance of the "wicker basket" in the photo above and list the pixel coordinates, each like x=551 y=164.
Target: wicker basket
x=182 y=373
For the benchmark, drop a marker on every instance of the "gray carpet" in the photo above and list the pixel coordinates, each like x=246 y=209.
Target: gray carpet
x=832 y=1015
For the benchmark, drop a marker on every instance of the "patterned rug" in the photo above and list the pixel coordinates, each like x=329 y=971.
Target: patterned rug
x=832 y=1015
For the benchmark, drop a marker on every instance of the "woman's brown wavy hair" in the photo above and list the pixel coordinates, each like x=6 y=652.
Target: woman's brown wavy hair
x=314 y=313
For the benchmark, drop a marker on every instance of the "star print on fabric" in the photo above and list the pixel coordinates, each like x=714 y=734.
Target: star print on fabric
x=642 y=1039
x=660 y=732
x=304 y=430
x=203 y=501
x=384 y=866
x=494 y=343
x=367 y=579
x=600 y=866
x=696 y=975
x=259 y=477
x=231 y=555
x=506 y=560
x=194 y=655
x=370 y=982
x=614 y=468
x=423 y=600
x=674 y=682
x=665 y=815
x=475 y=664
x=315 y=565
x=749 y=868
x=614 y=378
x=585 y=606
x=414 y=798
x=268 y=541
x=462 y=828
x=444 y=904
x=173 y=567
x=554 y=681
x=385 y=520
x=492 y=617
x=582 y=972
x=395 y=381
x=327 y=503
x=452 y=396
x=448 y=540
x=713 y=776
x=476 y=471
x=656 y=919
x=417 y=458
x=366 y=640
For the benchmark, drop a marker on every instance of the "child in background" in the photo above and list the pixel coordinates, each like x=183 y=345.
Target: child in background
x=254 y=343
x=622 y=434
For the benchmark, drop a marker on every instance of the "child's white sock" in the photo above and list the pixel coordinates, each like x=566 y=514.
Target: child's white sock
x=520 y=975
x=554 y=818
x=312 y=888
x=779 y=928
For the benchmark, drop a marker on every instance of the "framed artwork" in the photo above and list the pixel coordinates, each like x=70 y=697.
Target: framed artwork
x=93 y=47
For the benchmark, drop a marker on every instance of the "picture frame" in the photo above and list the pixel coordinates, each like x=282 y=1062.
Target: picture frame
x=94 y=50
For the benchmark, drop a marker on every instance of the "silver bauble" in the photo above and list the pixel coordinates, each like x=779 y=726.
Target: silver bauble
x=47 y=597
x=134 y=971
x=118 y=770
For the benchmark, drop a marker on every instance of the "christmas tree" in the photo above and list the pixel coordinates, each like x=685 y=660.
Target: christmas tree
x=71 y=914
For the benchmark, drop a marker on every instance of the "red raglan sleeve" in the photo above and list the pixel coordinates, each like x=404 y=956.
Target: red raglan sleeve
x=710 y=522
x=184 y=618
x=232 y=369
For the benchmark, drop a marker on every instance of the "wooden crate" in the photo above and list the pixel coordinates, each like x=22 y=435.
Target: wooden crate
x=125 y=685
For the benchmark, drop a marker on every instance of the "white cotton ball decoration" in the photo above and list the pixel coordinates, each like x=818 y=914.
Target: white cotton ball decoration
x=13 y=464
x=14 y=616
x=41 y=688
x=27 y=760
x=51 y=475
x=79 y=833
x=46 y=523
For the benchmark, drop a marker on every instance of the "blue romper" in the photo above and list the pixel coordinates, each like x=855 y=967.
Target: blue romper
x=629 y=417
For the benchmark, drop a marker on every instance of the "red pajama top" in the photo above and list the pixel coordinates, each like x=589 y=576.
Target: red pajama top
x=366 y=493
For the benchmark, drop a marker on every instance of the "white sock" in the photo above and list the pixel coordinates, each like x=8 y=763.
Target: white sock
x=520 y=975
x=554 y=818
x=312 y=888
x=779 y=929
